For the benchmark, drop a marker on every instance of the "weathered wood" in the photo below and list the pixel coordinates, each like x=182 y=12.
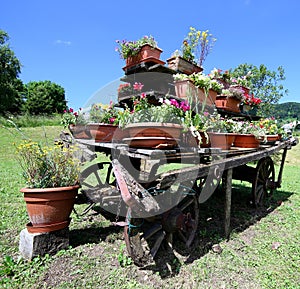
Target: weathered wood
x=227 y=185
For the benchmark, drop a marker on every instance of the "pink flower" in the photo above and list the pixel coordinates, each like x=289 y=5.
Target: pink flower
x=138 y=86
x=112 y=119
x=184 y=106
x=174 y=102
x=71 y=109
x=143 y=95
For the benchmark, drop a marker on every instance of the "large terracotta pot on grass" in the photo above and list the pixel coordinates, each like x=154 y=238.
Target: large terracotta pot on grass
x=49 y=209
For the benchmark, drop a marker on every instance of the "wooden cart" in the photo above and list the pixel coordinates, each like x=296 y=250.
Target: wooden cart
x=153 y=206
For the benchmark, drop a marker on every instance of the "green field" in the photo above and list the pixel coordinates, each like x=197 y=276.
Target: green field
x=263 y=251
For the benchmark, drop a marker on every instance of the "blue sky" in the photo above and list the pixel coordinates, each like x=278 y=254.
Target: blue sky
x=72 y=43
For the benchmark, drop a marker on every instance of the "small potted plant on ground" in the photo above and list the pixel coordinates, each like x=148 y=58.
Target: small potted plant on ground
x=142 y=50
x=52 y=183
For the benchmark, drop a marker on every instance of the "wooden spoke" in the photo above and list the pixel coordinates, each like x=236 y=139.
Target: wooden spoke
x=262 y=186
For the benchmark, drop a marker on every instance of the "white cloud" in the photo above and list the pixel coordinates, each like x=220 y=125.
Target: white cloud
x=62 y=42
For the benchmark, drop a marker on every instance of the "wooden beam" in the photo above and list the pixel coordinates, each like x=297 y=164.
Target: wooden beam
x=227 y=185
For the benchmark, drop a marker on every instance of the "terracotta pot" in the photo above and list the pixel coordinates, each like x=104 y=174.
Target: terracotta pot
x=271 y=139
x=228 y=103
x=153 y=135
x=246 y=141
x=79 y=131
x=221 y=140
x=207 y=100
x=179 y=64
x=185 y=89
x=49 y=209
x=102 y=132
x=244 y=88
x=146 y=54
x=191 y=141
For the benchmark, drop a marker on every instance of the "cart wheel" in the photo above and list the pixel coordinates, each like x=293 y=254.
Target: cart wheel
x=98 y=185
x=264 y=183
x=144 y=237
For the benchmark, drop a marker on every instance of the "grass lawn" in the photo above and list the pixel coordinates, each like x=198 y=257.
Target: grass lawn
x=263 y=251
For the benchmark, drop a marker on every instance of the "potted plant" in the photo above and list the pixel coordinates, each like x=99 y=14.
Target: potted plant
x=250 y=104
x=249 y=134
x=197 y=87
x=142 y=50
x=223 y=77
x=101 y=122
x=76 y=121
x=194 y=50
x=273 y=131
x=154 y=125
x=52 y=182
x=230 y=99
x=197 y=123
x=221 y=131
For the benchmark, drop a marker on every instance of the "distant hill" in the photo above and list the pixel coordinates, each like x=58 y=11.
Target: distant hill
x=287 y=110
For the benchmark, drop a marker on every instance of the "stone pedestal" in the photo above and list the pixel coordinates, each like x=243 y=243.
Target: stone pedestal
x=40 y=244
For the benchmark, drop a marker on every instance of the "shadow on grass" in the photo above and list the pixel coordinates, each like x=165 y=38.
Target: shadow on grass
x=210 y=228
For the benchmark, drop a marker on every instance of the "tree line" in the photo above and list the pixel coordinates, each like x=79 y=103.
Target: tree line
x=35 y=97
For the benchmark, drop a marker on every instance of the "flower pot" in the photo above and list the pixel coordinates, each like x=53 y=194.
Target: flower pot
x=153 y=135
x=102 y=132
x=246 y=141
x=221 y=140
x=228 y=103
x=146 y=54
x=244 y=88
x=79 y=131
x=271 y=139
x=179 y=64
x=207 y=100
x=201 y=141
x=49 y=209
x=185 y=89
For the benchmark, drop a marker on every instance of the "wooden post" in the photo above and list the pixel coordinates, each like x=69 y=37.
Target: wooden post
x=227 y=184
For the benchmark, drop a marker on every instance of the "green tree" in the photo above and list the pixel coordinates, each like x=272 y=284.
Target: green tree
x=264 y=83
x=11 y=86
x=44 y=97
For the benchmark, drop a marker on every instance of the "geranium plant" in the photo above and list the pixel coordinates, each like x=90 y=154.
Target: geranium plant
x=48 y=166
x=130 y=48
x=104 y=113
x=167 y=111
x=125 y=89
x=252 y=101
x=70 y=116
